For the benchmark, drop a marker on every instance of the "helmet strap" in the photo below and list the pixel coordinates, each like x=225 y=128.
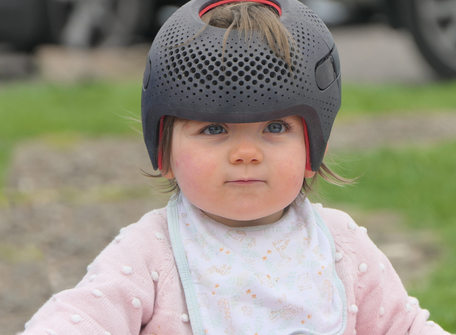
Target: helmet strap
x=223 y=2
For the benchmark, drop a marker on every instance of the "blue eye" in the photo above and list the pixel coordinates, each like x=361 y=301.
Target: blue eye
x=275 y=127
x=214 y=129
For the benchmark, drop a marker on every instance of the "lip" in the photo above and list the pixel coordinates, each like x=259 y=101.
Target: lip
x=245 y=181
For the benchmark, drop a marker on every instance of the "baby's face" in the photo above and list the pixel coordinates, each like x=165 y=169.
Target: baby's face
x=240 y=174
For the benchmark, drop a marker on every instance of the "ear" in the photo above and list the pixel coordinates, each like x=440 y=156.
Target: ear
x=309 y=174
x=169 y=174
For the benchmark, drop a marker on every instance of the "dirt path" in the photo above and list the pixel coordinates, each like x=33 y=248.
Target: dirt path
x=67 y=199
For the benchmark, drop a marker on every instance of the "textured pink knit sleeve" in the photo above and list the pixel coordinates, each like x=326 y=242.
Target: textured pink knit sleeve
x=115 y=297
x=377 y=302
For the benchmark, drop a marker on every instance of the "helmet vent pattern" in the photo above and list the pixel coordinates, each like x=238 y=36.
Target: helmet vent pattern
x=200 y=71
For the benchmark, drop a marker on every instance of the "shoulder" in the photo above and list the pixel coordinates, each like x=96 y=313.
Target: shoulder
x=344 y=229
x=358 y=260
x=142 y=244
x=356 y=254
x=152 y=225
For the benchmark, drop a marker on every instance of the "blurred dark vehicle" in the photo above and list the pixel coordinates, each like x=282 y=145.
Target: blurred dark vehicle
x=432 y=23
x=26 y=24
x=88 y=23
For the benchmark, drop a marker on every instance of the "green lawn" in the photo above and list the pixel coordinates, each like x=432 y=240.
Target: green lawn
x=381 y=99
x=417 y=182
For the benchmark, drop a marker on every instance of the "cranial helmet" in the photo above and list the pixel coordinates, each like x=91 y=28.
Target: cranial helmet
x=199 y=78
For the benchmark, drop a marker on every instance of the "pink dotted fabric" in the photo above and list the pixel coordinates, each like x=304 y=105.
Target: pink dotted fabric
x=133 y=287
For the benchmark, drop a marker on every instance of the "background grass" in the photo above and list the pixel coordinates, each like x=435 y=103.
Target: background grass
x=385 y=99
x=417 y=182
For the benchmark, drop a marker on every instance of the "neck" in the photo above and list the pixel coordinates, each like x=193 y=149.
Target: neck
x=248 y=223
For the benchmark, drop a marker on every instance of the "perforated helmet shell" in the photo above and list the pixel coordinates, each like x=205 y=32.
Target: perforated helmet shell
x=186 y=76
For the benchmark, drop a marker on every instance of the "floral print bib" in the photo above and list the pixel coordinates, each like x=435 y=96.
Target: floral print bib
x=265 y=280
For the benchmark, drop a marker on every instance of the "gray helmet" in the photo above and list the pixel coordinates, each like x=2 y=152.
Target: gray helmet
x=187 y=77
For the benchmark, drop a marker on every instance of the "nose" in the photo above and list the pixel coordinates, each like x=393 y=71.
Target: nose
x=246 y=151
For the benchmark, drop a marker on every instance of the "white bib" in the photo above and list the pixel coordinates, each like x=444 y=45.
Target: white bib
x=265 y=280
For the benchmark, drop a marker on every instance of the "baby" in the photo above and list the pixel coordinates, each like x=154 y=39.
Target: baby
x=238 y=103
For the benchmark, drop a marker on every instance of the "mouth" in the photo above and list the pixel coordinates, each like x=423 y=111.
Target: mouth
x=245 y=181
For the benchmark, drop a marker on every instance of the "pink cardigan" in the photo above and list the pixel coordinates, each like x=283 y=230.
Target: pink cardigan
x=133 y=287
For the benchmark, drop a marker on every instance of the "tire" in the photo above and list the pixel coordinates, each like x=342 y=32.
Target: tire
x=433 y=26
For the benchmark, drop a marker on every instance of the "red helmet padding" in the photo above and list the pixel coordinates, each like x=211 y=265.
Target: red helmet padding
x=223 y=2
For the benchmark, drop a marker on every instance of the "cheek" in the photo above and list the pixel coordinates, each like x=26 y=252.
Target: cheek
x=292 y=167
x=192 y=170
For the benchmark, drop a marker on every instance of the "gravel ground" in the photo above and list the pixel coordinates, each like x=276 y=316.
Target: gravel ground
x=68 y=199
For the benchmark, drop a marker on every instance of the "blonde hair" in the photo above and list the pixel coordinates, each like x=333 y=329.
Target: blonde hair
x=245 y=17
